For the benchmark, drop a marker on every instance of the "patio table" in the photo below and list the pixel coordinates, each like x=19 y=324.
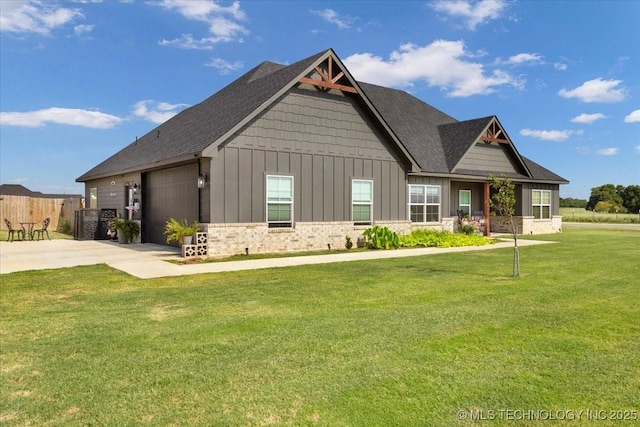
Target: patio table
x=27 y=227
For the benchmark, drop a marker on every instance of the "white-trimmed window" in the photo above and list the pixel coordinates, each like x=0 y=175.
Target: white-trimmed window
x=541 y=204
x=464 y=202
x=362 y=201
x=280 y=201
x=424 y=203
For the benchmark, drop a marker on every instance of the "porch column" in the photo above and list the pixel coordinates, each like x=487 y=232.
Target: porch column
x=487 y=209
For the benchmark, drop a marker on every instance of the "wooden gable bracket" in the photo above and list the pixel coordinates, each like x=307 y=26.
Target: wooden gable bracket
x=494 y=134
x=328 y=79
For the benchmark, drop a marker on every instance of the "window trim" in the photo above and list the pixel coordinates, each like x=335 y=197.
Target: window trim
x=460 y=205
x=541 y=205
x=426 y=202
x=279 y=224
x=360 y=203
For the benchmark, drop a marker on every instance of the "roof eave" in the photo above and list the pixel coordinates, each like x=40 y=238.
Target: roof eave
x=141 y=168
x=485 y=178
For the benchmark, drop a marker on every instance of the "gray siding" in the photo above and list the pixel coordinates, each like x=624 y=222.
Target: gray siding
x=323 y=141
x=445 y=186
x=477 y=196
x=309 y=122
x=488 y=158
x=322 y=186
x=527 y=198
x=204 y=193
x=112 y=192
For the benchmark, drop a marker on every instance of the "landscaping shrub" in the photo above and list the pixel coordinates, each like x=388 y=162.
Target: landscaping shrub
x=469 y=227
x=380 y=238
x=441 y=239
x=348 y=243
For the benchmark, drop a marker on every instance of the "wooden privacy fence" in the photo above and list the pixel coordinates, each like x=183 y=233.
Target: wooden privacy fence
x=35 y=209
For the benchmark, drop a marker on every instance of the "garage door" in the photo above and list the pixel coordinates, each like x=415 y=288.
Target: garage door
x=168 y=193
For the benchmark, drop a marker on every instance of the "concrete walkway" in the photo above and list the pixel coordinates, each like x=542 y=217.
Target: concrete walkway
x=148 y=261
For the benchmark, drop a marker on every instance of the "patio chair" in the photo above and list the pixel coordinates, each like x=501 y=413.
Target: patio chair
x=40 y=232
x=13 y=231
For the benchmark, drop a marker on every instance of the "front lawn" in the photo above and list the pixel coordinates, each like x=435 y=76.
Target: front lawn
x=430 y=340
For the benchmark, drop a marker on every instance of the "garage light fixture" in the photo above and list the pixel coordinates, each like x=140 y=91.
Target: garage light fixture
x=202 y=179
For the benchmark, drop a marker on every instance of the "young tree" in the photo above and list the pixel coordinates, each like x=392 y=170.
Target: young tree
x=503 y=204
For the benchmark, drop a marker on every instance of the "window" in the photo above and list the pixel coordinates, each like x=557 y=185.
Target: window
x=93 y=198
x=279 y=201
x=464 y=202
x=362 y=201
x=542 y=204
x=424 y=203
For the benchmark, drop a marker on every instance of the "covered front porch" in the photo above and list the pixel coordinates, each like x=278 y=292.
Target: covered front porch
x=471 y=199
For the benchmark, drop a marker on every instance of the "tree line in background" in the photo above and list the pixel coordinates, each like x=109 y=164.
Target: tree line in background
x=608 y=198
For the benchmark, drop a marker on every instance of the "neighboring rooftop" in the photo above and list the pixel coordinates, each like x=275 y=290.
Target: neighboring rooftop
x=20 y=190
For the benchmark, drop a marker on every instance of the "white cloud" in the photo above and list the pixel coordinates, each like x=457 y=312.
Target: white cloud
x=596 y=90
x=82 y=29
x=30 y=16
x=442 y=63
x=64 y=116
x=633 y=117
x=222 y=22
x=522 y=58
x=332 y=17
x=608 y=151
x=156 y=112
x=638 y=148
x=474 y=13
x=588 y=118
x=186 y=41
x=550 y=135
x=560 y=66
x=225 y=67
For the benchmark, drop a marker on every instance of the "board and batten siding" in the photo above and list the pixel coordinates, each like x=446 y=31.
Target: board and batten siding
x=445 y=188
x=323 y=141
x=111 y=192
x=527 y=197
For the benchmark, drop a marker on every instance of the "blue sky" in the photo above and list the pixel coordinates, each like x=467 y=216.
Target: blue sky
x=79 y=80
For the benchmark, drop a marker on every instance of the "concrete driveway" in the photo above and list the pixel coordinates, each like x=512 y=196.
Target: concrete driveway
x=147 y=260
x=60 y=253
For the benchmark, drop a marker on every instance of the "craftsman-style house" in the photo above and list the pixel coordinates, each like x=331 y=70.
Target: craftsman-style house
x=298 y=157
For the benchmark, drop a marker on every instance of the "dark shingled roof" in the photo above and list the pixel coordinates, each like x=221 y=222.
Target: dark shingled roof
x=188 y=133
x=435 y=140
x=20 y=190
x=15 y=190
x=541 y=173
x=457 y=138
x=414 y=122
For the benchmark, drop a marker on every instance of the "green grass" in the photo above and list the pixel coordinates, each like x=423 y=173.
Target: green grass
x=4 y=234
x=583 y=215
x=407 y=341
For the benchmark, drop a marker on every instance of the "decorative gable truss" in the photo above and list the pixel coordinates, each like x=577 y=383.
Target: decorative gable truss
x=328 y=75
x=494 y=133
x=492 y=152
